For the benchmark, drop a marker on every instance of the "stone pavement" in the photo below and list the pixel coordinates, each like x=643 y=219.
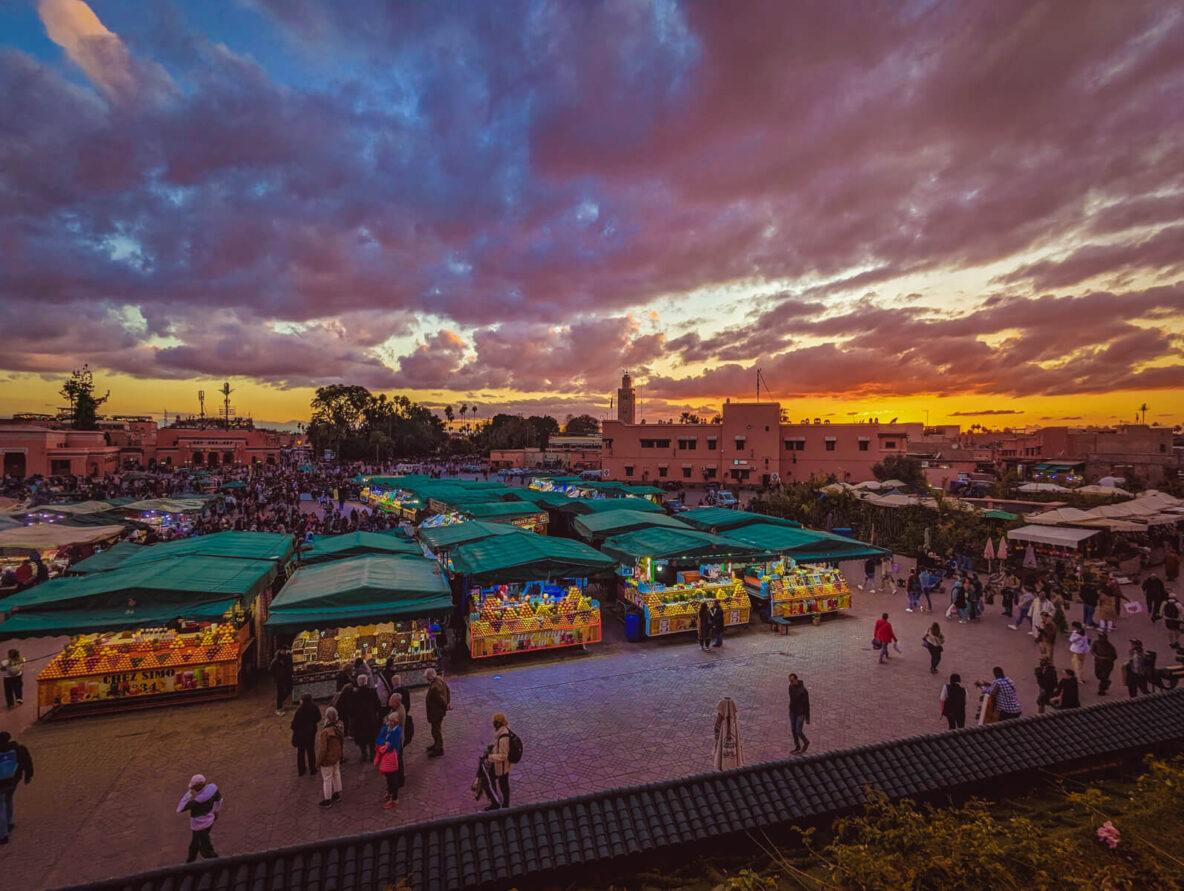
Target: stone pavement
x=106 y=788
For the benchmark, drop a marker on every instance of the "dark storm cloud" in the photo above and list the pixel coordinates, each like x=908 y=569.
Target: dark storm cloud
x=530 y=172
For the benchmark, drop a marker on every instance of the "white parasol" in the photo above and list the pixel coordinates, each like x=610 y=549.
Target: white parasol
x=727 y=751
x=989 y=550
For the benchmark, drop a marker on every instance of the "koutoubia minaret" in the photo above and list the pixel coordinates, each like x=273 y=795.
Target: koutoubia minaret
x=626 y=401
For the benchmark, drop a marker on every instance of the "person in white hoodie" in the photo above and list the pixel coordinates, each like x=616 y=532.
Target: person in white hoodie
x=1079 y=645
x=203 y=801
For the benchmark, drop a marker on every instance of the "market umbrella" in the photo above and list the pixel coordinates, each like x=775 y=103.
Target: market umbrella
x=727 y=751
x=989 y=550
x=1030 y=558
x=1001 y=554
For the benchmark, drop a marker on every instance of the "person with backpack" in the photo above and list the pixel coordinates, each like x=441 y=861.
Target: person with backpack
x=437 y=703
x=1173 y=613
x=16 y=764
x=505 y=751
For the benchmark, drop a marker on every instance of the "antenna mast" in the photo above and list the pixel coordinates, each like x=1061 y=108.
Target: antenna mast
x=227 y=409
x=201 y=401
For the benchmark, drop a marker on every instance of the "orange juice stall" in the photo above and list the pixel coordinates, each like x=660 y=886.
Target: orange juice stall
x=528 y=592
x=145 y=636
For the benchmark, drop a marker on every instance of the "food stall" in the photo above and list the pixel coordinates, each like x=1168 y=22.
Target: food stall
x=1049 y=544
x=803 y=576
x=166 y=513
x=376 y=607
x=667 y=573
x=327 y=548
x=156 y=634
x=52 y=542
x=441 y=540
x=528 y=592
x=594 y=528
x=722 y=520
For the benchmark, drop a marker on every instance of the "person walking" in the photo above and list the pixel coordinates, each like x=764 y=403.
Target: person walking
x=1007 y=704
x=1078 y=649
x=1173 y=614
x=16 y=764
x=1136 y=670
x=305 y=724
x=1067 y=694
x=330 y=744
x=1027 y=598
x=869 y=573
x=1088 y=594
x=1046 y=681
x=14 y=682
x=388 y=753
x=961 y=602
x=498 y=755
x=1109 y=605
x=1154 y=594
x=203 y=802
x=281 y=670
x=953 y=702
x=1104 y=658
x=912 y=589
x=703 y=626
x=935 y=642
x=437 y=704
x=364 y=707
x=406 y=728
x=717 y=624
x=1171 y=566
x=883 y=636
x=799 y=713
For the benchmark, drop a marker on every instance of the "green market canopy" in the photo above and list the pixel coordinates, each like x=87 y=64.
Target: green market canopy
x=545 y=500
x=188 y=587
x=356 y=544
x=805 y=545
x=364 y=589
x=176 y=505
x=105 y=561
x=444 y=538
x=22 y=540
x=593 y=527
x=500 y=510
x=270 y=546
x=668 y=544
x=527 y=557
x=720 y=519
x=599 y=505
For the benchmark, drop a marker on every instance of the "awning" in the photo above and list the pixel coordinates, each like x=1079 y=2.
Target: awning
x=270 y=546
x=361 y=590
x=50 y=536
x=445 y=537
x=105 y=561
x=513 y=558
x=594 y=527
x=52 y=623
x=674 y=543
x=720 y=519
x=326 y=548
x=1057 y=536
x=1051 y=467
x=805 y=545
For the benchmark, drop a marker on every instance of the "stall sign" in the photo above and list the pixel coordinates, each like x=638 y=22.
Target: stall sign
x=138 y=682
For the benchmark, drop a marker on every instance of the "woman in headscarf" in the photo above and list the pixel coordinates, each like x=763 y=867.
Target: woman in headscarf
x=728 y=752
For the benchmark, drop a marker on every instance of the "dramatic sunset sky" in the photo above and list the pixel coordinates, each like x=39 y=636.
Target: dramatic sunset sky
x=973 y=210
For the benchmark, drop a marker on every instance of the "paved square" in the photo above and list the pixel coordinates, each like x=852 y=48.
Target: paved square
x=103 y=799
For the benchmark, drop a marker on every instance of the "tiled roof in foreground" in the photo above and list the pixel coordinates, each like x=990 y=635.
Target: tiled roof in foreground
x=537 y=843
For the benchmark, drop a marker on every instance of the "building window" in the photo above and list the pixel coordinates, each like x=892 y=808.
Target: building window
x=710 y=473
x=890 y=443
x=740 y=441
x=863 y=444
x=687 y=445
x=795 y=445
x=655 y=443
x=686 y=473
x=662 y=472
x=608 y=443
x=830 y=445
x=628 y=470
x=711 y=444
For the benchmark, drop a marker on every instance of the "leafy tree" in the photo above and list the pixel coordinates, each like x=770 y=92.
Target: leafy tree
x=904 y=468
x=359 y=425
x=581 y=425
x=687 y=418
x=84 y=405
x=544 y=428
x=448 y=413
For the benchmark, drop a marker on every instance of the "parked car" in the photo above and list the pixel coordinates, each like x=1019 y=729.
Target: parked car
x=674 y=506
x=711 y=484
x=671 y=485
x=724 y=498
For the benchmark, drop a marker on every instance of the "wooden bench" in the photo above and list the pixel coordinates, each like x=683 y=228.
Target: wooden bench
x=780 y=624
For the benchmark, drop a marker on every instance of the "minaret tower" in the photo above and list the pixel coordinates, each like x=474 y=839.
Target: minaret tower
x=626 y=401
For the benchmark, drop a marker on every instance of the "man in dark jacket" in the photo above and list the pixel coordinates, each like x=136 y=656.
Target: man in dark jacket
x=717 y=624
x=799 y=713
x=16 y=764
x=1104 y=658
x=1155 y=594
x=281 y=670
x=437 y=702
x=1089 y=602
x=364 y=724
x=1046 y=680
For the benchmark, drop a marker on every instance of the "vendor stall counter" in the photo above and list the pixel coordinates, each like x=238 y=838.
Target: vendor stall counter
x=789 y=589
x=516 y=618
x=670 y=608
x=317 y=655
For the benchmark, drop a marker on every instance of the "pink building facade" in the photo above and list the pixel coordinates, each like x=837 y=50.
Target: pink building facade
x=751 y=446
x=28 y=451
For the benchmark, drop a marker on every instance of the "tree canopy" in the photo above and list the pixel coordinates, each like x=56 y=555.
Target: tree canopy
x=356 y=424
x=904 y=468
x=79 y=390
x=581 y=425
